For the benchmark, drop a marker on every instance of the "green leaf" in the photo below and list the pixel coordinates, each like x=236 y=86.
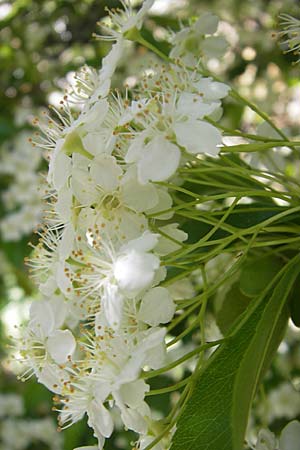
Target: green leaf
x=216 y=415
x=233 y=305
x=295 y=304
x=257 y=147
x=257 y=274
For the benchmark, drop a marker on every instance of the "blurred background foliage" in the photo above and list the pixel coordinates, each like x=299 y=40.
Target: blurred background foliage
x=42 y=44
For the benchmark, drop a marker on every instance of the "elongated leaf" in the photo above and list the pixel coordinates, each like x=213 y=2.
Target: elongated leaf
x=233 y=305
x=256 y=147
x=257 y=274
x=216 y=415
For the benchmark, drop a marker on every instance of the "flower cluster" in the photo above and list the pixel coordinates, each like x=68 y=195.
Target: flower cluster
x=100 y=261
x=23 y=198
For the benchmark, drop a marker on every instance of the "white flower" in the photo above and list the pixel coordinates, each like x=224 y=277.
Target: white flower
x=43 y=340
x=198 y=40
x=122 y=21
x=266 y=440
x=47 y=265
x=11 y=405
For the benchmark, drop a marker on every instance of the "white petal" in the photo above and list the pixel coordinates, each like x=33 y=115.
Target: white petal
x=134 y=393
x=159 y=161
x=166 y=245
x=152 y=347
x=157 y=307
x=49 y=287
x=93 y=118
x=130 y=371
x=211 y=90
x=136 y=148
x=164 y=203
x=61 y=170
x=130 y=224
x=143 y=243
x=97 y=143
x=139 y=197
x=133 y=420
x=41 y=318
x=63 y=205
x=59 y=308
x=67 y=241
x=214 y=46
x=60 y=345
x=63 y=282
x=156 y=357
x=100 y=420
x=198 y=137
x=147 y=4
x=109 y=65
x=153 y=337
x=101 y=323
x=89 y=447
x=102 y=390
x=106 y=172
x=192 y=105
x=51 y=376
x=290 y=436
x=207 y=23
x=84 y=188
x=135 y=271
x=112 y=302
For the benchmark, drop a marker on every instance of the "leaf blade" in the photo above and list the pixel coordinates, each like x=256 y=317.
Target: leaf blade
x=216 y=414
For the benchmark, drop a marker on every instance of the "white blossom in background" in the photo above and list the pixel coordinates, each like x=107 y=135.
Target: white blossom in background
x=99 y=263
x=23 y=198
x=11 y=405
x=288 y=440
x=199 y=41
x=283 y=401
x=18 y=432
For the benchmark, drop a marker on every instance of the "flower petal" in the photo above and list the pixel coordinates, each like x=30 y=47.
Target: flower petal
x=41 y=318
x=105 y=172
x=100 y=420
x=60 y=345
x=157 y=307
x=198 y=137
x=159 y=161
x=135 y=271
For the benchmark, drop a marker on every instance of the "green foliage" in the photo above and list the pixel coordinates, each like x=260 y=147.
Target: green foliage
x=217 y=412
x=233 y=305
x=257 y=274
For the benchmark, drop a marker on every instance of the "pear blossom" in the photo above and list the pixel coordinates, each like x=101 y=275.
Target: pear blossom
x=43 y=340
x=123 y=21
x=198 y=40
x=100 y=263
